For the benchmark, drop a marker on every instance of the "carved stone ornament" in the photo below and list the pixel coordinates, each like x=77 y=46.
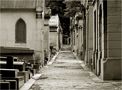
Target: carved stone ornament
x=39 y=12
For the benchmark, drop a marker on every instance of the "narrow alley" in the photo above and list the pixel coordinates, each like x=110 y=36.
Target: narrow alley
x=67 y=73
x=60 y=45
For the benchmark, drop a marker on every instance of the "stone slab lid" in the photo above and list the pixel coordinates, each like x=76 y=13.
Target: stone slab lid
x=15 y=63
x=15 y=50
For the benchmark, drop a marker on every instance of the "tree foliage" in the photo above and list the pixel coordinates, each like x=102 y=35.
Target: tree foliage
x=72 y=7
x=64 y=10
x=56 y=6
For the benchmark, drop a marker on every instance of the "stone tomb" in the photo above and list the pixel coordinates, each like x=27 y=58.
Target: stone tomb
x=11 y=76
x=25 y=74
x=4 y=85
x=9 y=73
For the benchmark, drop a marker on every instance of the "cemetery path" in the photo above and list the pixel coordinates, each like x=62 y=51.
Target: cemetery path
x=67 y=73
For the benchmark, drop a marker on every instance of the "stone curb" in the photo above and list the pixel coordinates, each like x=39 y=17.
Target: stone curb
x=53 y=59
x=30 y=82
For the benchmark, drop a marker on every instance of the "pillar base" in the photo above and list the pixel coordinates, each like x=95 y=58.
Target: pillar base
x=111 y=69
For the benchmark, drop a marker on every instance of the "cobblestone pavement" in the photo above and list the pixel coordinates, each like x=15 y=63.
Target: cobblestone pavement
x=66 y=73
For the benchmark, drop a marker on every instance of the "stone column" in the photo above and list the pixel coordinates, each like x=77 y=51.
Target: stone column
x=40 y=24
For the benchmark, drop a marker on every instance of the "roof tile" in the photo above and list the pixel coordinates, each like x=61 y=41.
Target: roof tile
x=23 y=4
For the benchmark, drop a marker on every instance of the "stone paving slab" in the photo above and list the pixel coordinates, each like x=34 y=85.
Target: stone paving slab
x=67 y=73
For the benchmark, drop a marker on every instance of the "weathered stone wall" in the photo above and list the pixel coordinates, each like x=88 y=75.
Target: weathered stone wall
x=112 y=64
x=8 y=21
x=54 y=38
x=114 y=28
x=46 y=38
x=90 y=35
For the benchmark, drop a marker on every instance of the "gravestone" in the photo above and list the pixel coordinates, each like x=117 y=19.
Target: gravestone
x=9 y=64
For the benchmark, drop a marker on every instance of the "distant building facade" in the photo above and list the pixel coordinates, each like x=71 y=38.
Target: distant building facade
x=55 y=32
